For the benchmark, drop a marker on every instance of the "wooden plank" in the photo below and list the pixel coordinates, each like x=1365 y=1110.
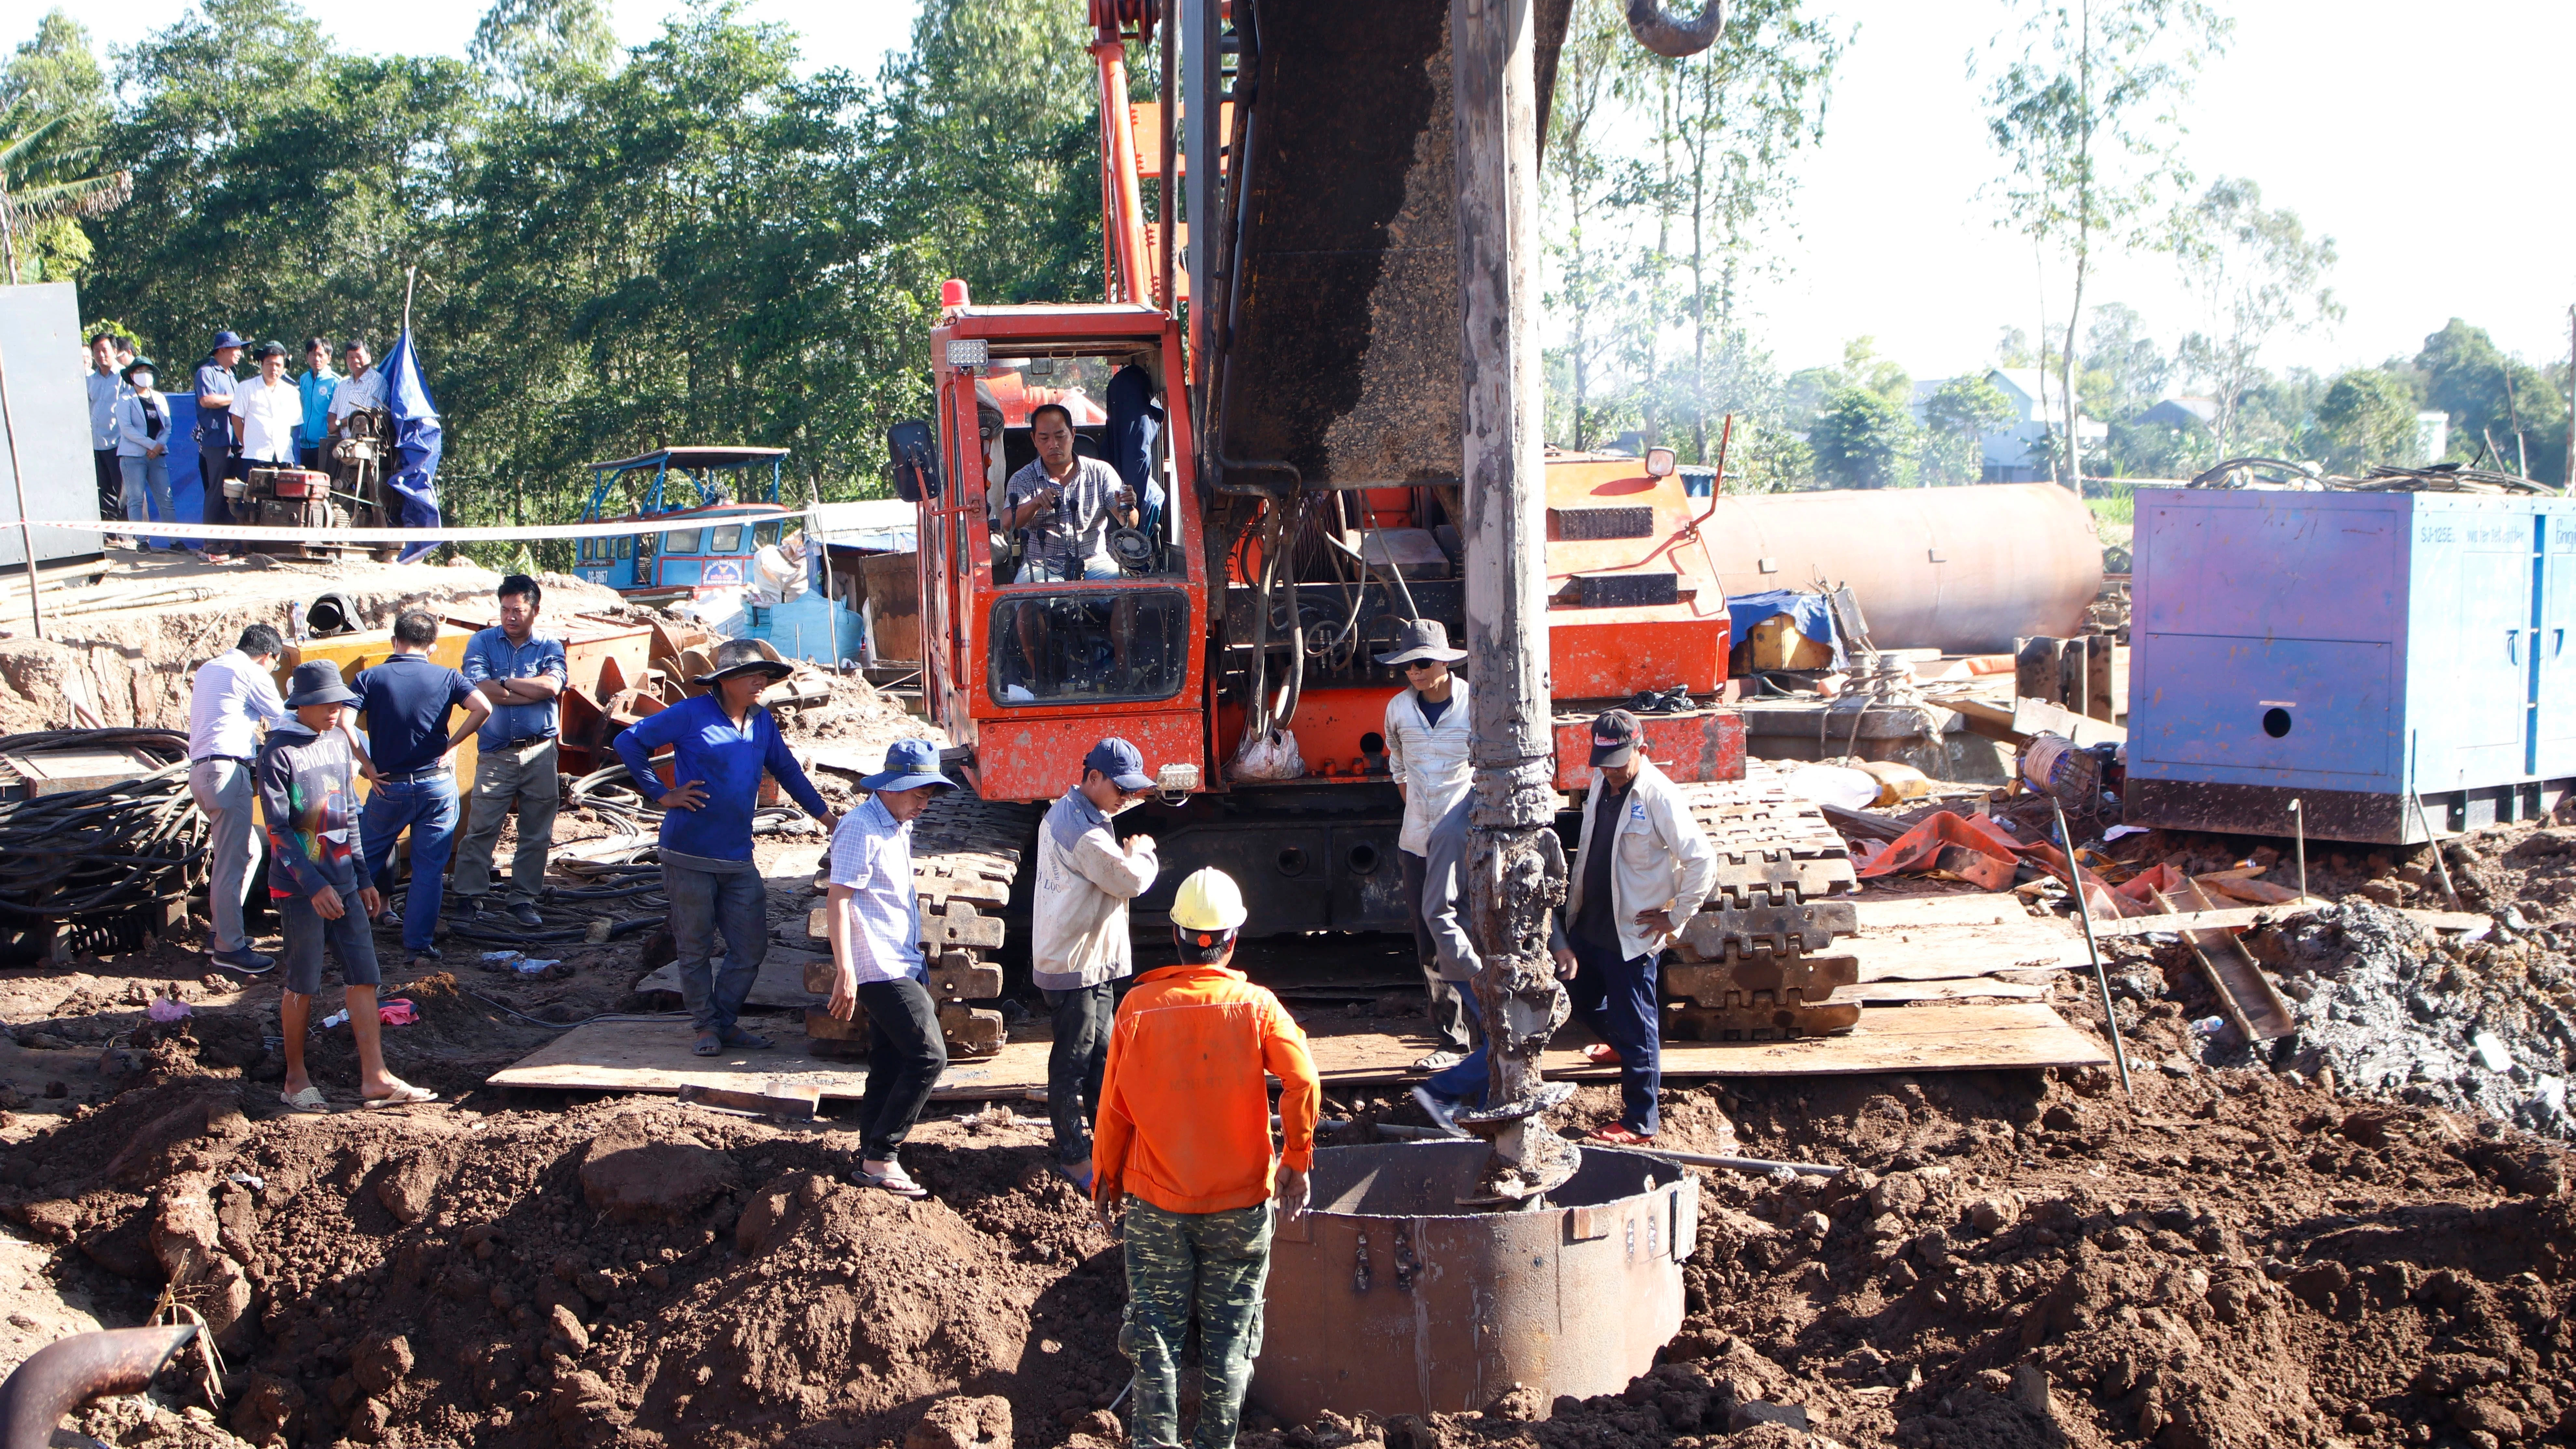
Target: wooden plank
x=2236 y=917
x=2244 y=992
x=781 y=985
x=1972 y=908
x=1898 y=992
x=655 y=1057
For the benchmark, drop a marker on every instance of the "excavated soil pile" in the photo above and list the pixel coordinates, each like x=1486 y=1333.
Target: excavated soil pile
x=628 y=1273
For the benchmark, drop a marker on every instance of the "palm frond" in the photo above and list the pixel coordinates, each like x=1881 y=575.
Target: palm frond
x=16 y=151
x=92 y=196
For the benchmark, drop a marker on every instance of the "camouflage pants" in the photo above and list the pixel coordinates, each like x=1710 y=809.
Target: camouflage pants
x=1213 y=1264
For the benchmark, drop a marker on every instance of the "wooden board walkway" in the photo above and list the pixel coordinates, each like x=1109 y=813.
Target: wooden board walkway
x=631 y=1056
x=1956 y=947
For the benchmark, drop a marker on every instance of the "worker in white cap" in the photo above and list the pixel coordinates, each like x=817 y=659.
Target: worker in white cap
x=1185 y=1131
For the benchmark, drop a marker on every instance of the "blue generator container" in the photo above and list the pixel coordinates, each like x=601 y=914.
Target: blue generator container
x=2343 y=649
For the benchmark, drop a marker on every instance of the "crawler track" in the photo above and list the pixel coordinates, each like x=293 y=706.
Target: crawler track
x=1754 y=963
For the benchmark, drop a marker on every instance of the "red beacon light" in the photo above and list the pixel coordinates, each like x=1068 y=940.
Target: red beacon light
x=952 y=293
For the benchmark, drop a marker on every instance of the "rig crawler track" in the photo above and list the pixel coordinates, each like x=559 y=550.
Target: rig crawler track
x=1756 y=962
x=966 y=853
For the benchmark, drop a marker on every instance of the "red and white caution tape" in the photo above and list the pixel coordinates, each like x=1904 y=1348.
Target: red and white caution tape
x=444 y=533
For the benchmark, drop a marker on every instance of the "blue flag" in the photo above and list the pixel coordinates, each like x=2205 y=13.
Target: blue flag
x=417 y=442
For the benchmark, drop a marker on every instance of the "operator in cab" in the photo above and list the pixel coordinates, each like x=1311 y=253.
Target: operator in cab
x=1066 y=504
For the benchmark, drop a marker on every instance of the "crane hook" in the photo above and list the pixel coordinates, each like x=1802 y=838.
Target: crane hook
x=1665 y=36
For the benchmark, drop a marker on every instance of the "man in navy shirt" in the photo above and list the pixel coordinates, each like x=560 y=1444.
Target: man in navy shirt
x=405 y=701
x=216 y=383
x=721 y=743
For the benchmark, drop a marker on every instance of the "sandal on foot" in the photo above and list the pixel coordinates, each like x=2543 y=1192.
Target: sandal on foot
x=894 y=1180
x=746 y=1041
x=308 y=1100
x=1620 y=1134
x=1601 y=1054
x=1080 y=1177
x=404 y=1094
x=709 y=1045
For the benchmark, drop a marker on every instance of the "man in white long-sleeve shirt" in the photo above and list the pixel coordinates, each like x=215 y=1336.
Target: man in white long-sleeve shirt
x=234 y=695
x=1426 y=755
x=1080 y=950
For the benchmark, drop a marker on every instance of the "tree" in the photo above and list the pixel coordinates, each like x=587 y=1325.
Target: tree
x=2500 y=407
x=1956 y=418
x=2088 y=118
x=2367 y=417
x=1862 y=440
x=2259 y=274
x=53 y=109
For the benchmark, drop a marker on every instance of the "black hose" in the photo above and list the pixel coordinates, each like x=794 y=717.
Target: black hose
x=106 y=850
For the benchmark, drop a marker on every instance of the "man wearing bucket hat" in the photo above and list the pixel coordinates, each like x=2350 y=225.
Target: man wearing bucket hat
x=1426 y=756
x=721 y=742
x=307 y=777
x=1185 y=1133
x=1079 y=950
x=216 y=384
x=1643 y=867
x=877 y=962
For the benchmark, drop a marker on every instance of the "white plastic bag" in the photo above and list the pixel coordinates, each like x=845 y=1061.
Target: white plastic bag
x=1272 y=757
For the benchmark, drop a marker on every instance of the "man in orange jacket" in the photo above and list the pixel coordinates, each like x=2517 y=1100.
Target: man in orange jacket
x=1184 y=1129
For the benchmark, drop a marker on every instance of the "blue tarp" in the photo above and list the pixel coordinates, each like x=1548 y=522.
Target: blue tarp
x=1813 y=613
x=417 y=443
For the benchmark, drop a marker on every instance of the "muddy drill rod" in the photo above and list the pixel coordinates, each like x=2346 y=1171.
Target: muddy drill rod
x=1516 y=872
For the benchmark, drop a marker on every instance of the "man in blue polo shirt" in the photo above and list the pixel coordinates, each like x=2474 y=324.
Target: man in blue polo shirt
x=216 y=384
x=519 y=671
x=406 y=701
x=721 y=743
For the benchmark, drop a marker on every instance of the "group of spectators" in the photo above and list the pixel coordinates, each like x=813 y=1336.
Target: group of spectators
x=264 y=420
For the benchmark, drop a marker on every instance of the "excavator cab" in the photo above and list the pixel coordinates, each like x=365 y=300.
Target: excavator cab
x=1028 y=664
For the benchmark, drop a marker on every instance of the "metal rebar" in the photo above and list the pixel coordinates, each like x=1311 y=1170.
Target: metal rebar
x=2299 y=837
x=2101 y=978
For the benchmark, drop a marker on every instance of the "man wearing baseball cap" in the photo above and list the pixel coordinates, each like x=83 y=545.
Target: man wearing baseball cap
x=1642 y=868
x=1079 y=950
x=877 y=962
x=216 y=383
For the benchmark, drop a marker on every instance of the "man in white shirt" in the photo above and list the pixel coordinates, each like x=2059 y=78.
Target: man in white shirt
x=267 y=411
x=1426 y=756
x=361 y=386
x=233 y=696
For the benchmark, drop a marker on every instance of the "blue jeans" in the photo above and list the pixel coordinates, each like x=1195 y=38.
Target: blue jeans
x=1616 y=998
x=147 y=493
x=1465 y=1082
x=707 y=897
x=428 y=809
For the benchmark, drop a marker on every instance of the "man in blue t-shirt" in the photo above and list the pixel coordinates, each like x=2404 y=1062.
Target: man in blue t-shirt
x=519 y=669
x=405 y=701
x=721 y=744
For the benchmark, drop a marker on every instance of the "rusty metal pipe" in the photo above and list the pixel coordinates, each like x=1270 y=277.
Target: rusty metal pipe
x=68 y=1373
x=1964 y=570
x=1661 y=33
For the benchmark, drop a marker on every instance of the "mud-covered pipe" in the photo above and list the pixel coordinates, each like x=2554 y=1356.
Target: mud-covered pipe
x=64 y=1375
x=1665 y=36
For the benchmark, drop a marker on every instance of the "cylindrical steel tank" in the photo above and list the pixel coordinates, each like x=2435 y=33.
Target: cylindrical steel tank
x=1390 y=1299
x=1963 y=570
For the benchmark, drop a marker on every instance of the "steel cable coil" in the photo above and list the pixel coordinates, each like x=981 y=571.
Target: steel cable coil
x=104 y=850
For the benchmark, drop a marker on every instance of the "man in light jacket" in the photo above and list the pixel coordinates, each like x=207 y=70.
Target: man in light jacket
x=1086 y=877
x=1426 y=756
x=1643 y=867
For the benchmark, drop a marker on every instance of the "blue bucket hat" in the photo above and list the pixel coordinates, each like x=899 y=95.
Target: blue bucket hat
x=909 y=765
x=227 y=338
x=1122 y=762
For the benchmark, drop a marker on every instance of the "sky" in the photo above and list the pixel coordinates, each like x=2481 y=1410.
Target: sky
x=2421 y=141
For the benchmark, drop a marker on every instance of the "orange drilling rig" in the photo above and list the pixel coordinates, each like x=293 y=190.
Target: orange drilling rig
x=1285 y=416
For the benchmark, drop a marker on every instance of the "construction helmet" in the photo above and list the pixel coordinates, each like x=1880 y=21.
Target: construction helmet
x=1208 y=901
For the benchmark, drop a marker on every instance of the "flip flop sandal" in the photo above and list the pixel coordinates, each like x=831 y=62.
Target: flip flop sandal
x=308 y=1100
x=1620 y=1134
x=404 y=1094
x=746 y=1041
x=1080 y=1180
x=1601 y=1053
x=898 y=1182
x=709 y=1045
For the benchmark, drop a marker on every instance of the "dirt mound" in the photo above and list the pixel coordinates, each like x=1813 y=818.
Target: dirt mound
x=456 y=1043
x=627 y=1272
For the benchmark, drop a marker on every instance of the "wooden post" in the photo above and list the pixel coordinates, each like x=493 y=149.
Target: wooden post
x=1516 y=872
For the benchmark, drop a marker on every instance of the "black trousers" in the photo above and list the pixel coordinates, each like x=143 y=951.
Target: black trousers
x=111 y=483
x=905 y=1057
x=1084 y=1018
